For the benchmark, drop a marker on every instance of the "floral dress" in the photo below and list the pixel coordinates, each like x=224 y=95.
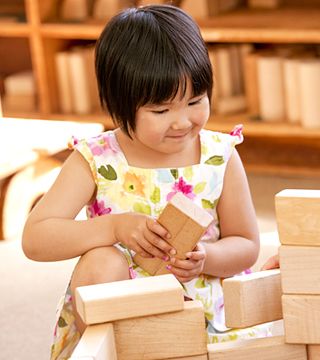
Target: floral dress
x=123 y=188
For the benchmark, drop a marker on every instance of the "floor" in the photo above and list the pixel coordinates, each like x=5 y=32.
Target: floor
x=30 y=290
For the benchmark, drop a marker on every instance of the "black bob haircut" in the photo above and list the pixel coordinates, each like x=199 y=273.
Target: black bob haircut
x=144 y=55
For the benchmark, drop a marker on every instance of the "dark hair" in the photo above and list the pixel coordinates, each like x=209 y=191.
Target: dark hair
x=144 y=55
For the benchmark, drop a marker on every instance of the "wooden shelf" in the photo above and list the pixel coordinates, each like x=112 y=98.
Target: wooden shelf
x=270 y=147
x=72 y=31
x=276 y=26
x=14 y=29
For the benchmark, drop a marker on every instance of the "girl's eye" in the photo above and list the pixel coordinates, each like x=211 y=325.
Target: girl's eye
x=160 y=111
x=194 y=102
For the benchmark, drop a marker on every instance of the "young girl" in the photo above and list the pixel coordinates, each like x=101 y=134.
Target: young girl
x=155 y=81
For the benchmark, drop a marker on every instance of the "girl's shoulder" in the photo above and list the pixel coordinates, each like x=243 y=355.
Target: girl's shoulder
x=218 y=146
x=101 y=145
x=99 y=150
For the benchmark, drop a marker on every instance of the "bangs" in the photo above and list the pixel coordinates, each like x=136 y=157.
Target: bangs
x=162 y=63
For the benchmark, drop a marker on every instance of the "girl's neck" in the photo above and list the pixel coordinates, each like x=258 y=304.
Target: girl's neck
x=138 y=155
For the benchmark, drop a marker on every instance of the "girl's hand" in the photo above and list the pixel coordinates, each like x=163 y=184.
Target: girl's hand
x=142 y=234
x=271 y=263
x=192 y=267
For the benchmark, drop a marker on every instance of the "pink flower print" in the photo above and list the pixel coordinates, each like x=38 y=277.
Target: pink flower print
x=98 y=208
x=237 y=131
x=112 y=143
x=219 y=311
x=183 y=187
x=72 y=142
x=103 y=144
x=132 y=273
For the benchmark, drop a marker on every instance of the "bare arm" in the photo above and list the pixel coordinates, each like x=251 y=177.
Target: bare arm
x=238 y=247
x=51 y=233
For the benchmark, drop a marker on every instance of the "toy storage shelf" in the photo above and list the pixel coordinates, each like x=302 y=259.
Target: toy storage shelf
x=287 y=25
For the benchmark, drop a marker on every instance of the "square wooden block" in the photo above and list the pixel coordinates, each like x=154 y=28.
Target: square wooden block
x=300 y=269
x=252 y=299
x=301 y=315
x=298 y=217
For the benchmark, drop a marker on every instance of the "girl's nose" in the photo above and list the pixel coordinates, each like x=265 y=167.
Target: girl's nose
x=181 y=122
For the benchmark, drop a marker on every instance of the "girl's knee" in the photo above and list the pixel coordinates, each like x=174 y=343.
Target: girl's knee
x=100 y=265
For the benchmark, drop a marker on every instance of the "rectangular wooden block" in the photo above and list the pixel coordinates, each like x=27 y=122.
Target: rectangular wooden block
x=252 y=299
x=196 y=357
x=298 y=217
x=262 y=349
x=129 y=298
x=96 y=343
x=301 y=315
x=313 y=352
x=300 y=269
x=186 y=222
x=164 y=336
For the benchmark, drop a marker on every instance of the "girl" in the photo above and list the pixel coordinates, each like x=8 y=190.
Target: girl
x=155 y=81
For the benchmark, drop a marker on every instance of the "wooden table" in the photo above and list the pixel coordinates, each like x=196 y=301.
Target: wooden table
x=27 y=164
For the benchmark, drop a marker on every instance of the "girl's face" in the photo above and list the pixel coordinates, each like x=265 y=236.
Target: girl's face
x=171 y=126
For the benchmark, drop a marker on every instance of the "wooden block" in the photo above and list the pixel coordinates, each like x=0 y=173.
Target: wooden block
x=262 y=349
x=301 y=315
x=186 y=223
x=300 y=269
x=252 y=299
x=196 y=357
x=298 y=217
x=129 y=298
x=96 y=343
x=164 y=336
x=313 y=352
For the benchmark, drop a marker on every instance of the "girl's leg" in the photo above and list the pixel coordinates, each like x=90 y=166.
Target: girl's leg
x=100 y=265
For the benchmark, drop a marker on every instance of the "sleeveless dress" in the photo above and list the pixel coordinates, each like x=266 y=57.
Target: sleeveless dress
x=123 y=188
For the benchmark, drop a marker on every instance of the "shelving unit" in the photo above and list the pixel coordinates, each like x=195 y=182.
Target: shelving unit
x=45 y=36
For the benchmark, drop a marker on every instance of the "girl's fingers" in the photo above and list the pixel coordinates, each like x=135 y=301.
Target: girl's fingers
x=156 y=234
x=272 y=263
x=139 y=250
x=196 y=255
x=158 y=229
x=183 y=264
x=182 y=273
x=148 y=247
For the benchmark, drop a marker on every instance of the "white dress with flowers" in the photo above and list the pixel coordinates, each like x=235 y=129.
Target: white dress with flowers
x=123 y=188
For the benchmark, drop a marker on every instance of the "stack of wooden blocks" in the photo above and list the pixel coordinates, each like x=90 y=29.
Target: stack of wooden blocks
x=142 y=319
x=298 y=217
x=148 y=319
